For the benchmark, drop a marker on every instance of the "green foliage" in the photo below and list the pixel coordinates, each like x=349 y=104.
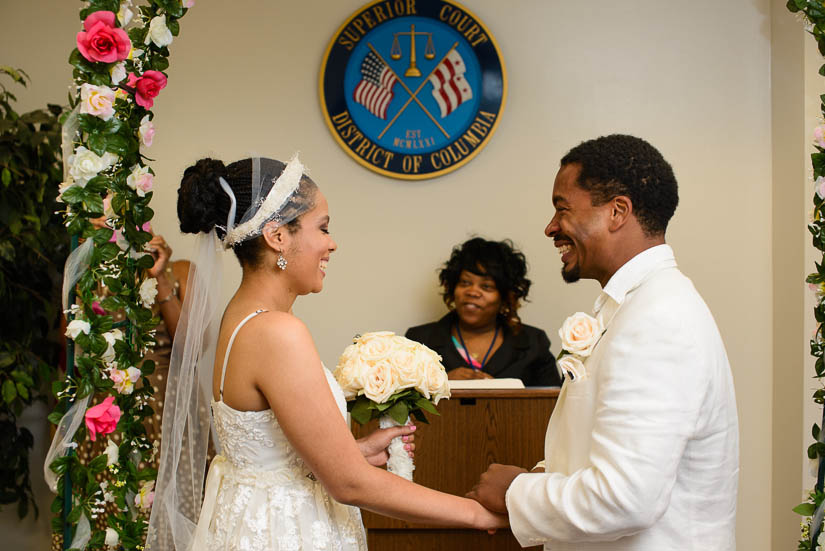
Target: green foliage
x=399 y=406
x=33 y=247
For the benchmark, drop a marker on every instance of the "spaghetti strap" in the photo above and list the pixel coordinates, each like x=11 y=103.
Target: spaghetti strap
x=229 y=346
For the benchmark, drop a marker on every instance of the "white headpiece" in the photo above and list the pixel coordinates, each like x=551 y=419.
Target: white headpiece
x=276 y=195
x=263 y=209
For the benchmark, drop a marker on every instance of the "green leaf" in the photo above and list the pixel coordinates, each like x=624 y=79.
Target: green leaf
x=361 y=411
x=73 y=195
x=6 y=177
x=146 y=261
x=97 y=540
x=805 y=509
x=74 y=515
x=55 y=417
x=399 y=412
x=6 y=359
x=22 y=391
x=419 y=416
x=426 y=405
x=98 y=464
x=9 y=391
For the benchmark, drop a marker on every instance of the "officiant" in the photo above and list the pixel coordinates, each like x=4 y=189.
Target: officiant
x=483 y=284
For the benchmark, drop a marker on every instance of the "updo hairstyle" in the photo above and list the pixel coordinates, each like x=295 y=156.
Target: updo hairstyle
x=499 y=260
x=204 y=205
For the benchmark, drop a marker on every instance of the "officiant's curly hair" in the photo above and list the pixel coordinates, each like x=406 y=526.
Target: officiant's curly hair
x=626 y=165
x=203 y=205
x=498 y=259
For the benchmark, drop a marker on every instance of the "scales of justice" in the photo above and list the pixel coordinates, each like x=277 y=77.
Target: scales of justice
x=429 y=50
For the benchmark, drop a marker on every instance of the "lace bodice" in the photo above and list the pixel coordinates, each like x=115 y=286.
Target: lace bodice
x=256 y=439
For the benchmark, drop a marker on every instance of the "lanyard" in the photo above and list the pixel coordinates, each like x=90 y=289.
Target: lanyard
x=467 y=352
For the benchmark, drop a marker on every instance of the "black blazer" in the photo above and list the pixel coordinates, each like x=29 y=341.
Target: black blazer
x=525 y=356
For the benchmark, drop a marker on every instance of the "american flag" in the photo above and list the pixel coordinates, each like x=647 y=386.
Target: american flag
x=375 y=89
x=450 y=89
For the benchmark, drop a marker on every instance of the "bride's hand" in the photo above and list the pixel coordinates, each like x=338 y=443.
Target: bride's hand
x=490 y=521
x=374 y=445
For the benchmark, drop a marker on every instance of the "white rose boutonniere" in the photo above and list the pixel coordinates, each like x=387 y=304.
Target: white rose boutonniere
x=579 y=334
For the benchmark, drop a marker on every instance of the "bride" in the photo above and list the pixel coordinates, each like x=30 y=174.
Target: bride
x=289 y=474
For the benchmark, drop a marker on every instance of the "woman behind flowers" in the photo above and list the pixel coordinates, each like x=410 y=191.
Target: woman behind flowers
x=481 y=337
x=290 y=474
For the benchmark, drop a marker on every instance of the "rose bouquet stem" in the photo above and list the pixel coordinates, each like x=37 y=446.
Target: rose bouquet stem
x=399 y=462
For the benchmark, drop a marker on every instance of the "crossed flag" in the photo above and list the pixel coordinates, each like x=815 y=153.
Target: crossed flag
x=375 y=90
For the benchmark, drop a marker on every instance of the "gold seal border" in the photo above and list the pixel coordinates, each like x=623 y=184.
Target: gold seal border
x=389 y=173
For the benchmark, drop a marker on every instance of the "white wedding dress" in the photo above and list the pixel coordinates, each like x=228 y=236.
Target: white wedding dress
x=259 y=494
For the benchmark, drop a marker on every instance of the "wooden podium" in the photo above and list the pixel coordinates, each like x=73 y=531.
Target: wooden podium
x=475 y=428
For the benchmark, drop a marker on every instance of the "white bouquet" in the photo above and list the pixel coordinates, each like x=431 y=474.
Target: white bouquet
x=390 y=377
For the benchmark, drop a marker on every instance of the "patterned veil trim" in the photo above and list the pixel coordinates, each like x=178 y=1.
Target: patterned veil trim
x=282 y=190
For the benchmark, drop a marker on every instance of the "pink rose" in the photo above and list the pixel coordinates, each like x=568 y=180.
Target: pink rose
x=98 y=309
x=147 y=87
x=146 y=131
x=188 y=3
x=102 y=40
x=819 y=136
x=102 y=418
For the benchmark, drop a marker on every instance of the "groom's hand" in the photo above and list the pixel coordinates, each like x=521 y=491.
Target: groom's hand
x=492 y=486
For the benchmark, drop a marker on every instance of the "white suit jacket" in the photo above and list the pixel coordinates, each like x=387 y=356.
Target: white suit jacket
x=643 y=452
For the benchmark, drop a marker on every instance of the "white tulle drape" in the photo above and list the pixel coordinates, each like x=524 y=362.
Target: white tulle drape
x=186 y=413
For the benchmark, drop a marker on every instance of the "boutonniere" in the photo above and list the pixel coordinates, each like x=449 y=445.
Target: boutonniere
x=579 y=334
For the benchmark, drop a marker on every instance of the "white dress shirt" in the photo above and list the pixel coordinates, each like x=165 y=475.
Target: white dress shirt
x=643 y=452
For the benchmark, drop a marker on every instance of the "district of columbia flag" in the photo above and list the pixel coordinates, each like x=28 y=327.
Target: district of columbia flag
x=375 y=89
x=450 y=89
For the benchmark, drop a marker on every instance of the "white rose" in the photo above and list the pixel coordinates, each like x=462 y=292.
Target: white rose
x=76 y=327
x=85 y=165
x=572 y=367
x=408 y=371
x=148 y=291
x=125 y=13
x=379 y=381
x=158 y=33
x=112 y=453
x=112 y=538
x=118 y=72
x=111 y=337
x=348 y=375
x=375 y=346
x=98 y=101
x=436 y=380
x=580 y=333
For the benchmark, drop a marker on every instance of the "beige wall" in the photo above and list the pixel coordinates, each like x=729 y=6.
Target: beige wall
x=692 y=77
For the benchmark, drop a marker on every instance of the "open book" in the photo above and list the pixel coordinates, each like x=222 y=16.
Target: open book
x=479 y=384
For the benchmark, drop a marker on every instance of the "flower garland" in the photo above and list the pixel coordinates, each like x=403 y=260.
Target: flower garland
x=814 y=508
x=119 y=60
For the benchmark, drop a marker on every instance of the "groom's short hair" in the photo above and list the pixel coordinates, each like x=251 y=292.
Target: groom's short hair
x=625 y=165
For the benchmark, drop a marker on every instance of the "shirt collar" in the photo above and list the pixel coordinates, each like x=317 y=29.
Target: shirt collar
x=634 y=271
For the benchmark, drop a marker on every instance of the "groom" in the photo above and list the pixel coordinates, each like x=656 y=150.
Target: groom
x=641 y=452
